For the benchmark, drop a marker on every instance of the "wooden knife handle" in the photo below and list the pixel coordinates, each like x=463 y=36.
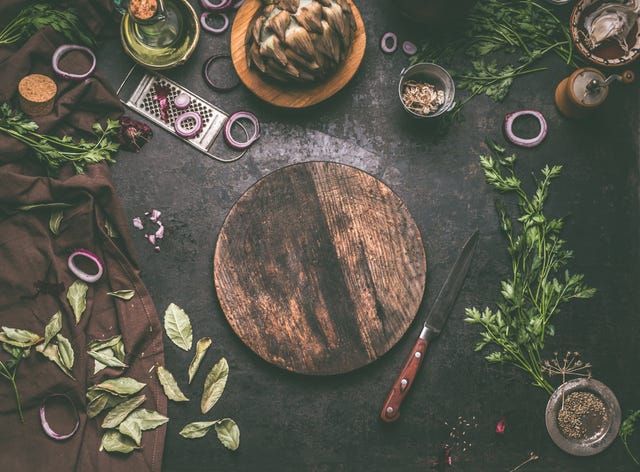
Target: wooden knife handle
x=391 y=408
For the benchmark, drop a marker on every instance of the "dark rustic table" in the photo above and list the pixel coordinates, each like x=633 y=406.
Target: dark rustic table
x=330 y=423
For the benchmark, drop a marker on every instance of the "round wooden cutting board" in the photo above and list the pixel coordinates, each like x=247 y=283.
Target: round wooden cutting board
x=319 y=268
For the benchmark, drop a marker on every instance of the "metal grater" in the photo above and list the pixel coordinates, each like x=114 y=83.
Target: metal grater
x=141 y=101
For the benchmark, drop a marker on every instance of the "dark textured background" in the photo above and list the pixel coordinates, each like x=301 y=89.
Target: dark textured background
x=293 y=422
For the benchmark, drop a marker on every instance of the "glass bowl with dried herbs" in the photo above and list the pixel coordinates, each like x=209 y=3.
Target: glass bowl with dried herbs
x=426 y=90
x=583 y=417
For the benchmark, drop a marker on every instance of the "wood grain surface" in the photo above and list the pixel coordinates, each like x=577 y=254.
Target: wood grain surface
x=291 y=95
x=319 y=268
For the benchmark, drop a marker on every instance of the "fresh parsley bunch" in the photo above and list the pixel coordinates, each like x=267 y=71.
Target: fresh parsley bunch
x=36 y=16
x=537 y=287
x=55 y=151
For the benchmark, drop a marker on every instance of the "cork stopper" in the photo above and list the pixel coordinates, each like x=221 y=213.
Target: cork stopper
x=37 y=94
x=143 y=9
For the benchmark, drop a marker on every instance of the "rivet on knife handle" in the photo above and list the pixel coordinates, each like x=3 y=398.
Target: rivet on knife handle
x=391 y=408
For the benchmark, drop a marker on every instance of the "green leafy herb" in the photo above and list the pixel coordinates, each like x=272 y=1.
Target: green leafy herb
x=214 y=385
x=9 y=369
x=55 y=220
x=502 y=40
x=178 y=326
x=77 y=296
x=170 y=386
x=626 y=430
x=123 y=294
x=54 y=151
x=52 y=328
x=537 y=288
x=201 y=349
x=33 y=17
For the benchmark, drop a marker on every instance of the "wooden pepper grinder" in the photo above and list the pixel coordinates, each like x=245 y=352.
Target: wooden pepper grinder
x=584 y=90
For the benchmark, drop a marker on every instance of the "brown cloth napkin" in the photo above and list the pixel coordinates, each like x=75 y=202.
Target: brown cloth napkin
x=33 y=269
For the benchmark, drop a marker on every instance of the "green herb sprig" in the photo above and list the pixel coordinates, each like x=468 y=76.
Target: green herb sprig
x=55 y=151
x=626 y=430
x=32 y=18
x=528 y=300
x=500 y=41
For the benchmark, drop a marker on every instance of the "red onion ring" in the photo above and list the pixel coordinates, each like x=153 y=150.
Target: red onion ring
x=61 y=51
x=45 y=424
x=207 y=79
x=409 y=48
x=89 y=278
x=211 y=29
x=250 y=139
x=394 y=42
x=524 y=142
x=185 y=132
x=182 y=101
x=211 y=5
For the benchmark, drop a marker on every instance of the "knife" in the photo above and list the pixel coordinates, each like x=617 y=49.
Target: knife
x=432 y=326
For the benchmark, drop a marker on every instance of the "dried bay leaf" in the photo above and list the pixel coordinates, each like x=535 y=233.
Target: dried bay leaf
x=77 y=296
x=55 y=220
x=114 y=441
x=170 y=386
x=100 y=400
x=201 y=349
x=141 y=420
x=65 y=351
x=120 y=386
x=123 y=294
x=228 y=433
x=107 y=358
x=98 y=344
x=53 y=327
x=196 y=429
x=178 y=326
x=121 y=411
x=19 y=337
x=214 y=385
x=111 y=231
x=52 y=353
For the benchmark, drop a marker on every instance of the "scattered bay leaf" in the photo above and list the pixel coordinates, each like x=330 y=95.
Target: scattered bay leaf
x=111 y=231
x=52 y=353
x=98 y=344
x=121 y=411
x=53 y=327
x=201 y=349
x=107 y=358
x=123 y=294
x=77 y=296
x=196 y=429
x=55 y=220
x=178 y=326
x=170 y=386
x=120 y=386
x=214 y=385
x=19 y=337
x=114 y=441
x=141 y=420
x=65 y=351
x=228 y=433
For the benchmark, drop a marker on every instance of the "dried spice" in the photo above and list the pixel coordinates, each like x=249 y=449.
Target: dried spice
x=532 y=457
x=570 y=365
x=422 y=97
x=143 y=9
x=170 y=386
x=178 y=326
x=214 y=385
x=226 y=429
x=77 y=296
x=201 y=349
x=133 y=134
x=582 y=416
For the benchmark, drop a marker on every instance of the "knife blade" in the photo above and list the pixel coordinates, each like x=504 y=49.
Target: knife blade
x=433 y=324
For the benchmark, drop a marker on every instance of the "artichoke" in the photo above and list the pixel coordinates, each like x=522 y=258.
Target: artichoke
x=300 y=40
